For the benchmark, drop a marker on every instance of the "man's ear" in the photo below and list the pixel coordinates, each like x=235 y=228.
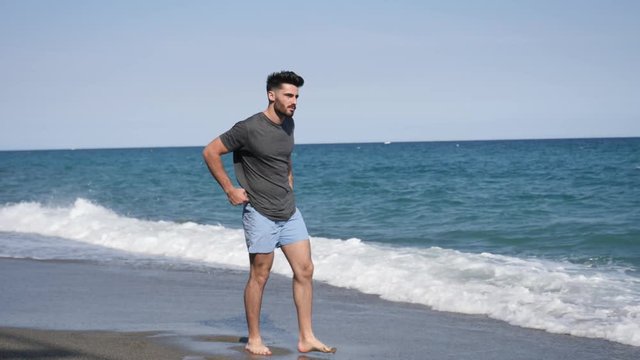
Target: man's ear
x=271 y=95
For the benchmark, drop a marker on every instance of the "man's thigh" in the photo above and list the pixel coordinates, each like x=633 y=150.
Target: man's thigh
x=298 y=255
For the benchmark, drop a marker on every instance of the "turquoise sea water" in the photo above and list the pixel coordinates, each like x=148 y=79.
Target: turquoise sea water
x=490 y=213
x=558 y=199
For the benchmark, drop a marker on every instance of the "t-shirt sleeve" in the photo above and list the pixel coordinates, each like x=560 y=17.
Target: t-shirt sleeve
x=236 y=137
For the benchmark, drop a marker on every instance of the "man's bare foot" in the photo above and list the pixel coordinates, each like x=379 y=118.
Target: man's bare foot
x=257 y=348
x=314 y=345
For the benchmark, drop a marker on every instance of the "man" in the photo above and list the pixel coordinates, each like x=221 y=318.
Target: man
x=262 y=146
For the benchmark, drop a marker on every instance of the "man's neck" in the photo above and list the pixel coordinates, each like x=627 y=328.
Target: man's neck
x=273 y=116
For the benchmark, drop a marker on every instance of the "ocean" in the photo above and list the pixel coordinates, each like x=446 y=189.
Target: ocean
x=541 y=234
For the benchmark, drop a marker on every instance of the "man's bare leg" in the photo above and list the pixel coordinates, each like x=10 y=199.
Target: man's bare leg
x=258 y=276
x=299 y=256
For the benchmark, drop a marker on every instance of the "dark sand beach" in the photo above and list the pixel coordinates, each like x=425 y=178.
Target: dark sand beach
x=81 y=310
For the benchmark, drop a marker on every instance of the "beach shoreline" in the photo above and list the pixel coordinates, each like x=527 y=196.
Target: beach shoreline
x=199 y=314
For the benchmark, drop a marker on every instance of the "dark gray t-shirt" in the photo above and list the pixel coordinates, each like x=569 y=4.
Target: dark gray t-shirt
x=261 y=159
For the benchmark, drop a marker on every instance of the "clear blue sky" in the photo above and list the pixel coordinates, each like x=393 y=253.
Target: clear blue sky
x=87 y=74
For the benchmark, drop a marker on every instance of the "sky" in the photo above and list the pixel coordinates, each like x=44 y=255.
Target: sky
x=104 y=74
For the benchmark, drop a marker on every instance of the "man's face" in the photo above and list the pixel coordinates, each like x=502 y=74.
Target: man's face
x=285 y=99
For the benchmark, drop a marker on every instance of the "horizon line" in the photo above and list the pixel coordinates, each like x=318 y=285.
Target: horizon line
x=330 y=143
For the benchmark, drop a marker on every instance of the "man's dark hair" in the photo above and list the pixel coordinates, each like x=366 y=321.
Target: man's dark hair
x=275 y=80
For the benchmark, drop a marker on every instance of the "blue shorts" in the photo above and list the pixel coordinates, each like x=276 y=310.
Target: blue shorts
x=264 y=235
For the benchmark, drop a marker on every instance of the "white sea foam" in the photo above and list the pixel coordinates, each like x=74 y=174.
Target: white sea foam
x=553 y=296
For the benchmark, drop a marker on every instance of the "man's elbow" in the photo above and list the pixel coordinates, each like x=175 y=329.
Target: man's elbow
x=208 y=152
x=205 y=153
x=215 y=149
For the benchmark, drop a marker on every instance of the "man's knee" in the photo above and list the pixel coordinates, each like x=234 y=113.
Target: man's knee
x=259 y=277
x=304 y=271
x=260 y=269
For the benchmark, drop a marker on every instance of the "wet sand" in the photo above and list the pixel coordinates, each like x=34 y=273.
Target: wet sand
x=81 y=310
x=17 y=343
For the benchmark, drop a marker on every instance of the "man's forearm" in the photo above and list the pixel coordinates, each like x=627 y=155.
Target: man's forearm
x=290 y=175
x=216 y=168
x=212 y=155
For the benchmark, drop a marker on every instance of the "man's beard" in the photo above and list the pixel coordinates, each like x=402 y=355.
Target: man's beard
x=283 y=111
